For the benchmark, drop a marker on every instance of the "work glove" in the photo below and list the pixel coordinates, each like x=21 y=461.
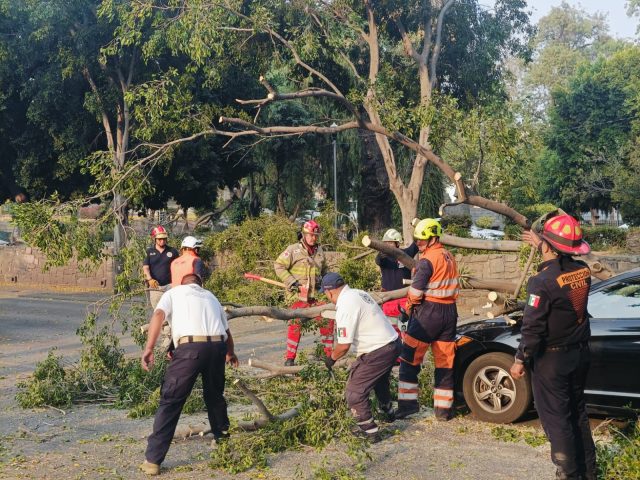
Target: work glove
x=153 y=283
x=329 y=362
x=294 y=287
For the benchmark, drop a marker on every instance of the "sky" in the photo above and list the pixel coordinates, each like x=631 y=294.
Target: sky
x=620 y=25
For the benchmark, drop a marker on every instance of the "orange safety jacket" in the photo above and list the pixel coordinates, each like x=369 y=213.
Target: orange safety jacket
x=183 y=265
x=436 y=278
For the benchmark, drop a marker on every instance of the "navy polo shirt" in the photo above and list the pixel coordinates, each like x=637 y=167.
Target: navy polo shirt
x=160 y=263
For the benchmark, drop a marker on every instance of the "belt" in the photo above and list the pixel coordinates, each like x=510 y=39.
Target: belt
x=200 y=339
x=567 y=348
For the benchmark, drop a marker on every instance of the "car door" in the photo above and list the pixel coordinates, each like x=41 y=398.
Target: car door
x=614 y=379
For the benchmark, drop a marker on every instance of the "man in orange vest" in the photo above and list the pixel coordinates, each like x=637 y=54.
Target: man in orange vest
x=188 y=262
x=432 y=303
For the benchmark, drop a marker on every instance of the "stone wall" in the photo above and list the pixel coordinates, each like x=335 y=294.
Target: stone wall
x=491 y=266
x=21 y=266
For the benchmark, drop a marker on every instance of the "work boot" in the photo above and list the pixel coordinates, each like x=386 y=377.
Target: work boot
x=374 y=437
x=289 y=362
x=219 y=438
x=150 y=468
x=388 y=414
x=404 y=411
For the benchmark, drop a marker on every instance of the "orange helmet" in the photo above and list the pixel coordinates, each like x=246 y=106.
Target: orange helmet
x=311 y=227
x=563 y=232
x=159 y=232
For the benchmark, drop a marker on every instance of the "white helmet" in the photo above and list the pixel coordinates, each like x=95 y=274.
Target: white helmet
x=191 y=242
x=392 y=235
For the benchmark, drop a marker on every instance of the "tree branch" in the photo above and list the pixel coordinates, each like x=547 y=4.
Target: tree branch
x=438 y=44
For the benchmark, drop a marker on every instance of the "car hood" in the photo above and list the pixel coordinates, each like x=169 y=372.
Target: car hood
x=490 y=329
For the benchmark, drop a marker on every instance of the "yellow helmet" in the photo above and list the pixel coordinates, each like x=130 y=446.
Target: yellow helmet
x=427 y=228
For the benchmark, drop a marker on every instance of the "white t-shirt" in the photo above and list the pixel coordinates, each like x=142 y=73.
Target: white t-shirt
x=360 y=321
x=193 y=311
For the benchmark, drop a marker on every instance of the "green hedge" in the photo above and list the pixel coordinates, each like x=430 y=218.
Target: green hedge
x=605 y=238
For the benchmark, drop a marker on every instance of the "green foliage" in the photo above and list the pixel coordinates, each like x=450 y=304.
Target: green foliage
x=362 y=273
x=512 y=232
x=537 y=210
x=620 y=458
x=49 y=385
x=322 y=416
x=457 y=225
x=485 y=221
x=54 y=228
x=605 y=238
x=514 y=435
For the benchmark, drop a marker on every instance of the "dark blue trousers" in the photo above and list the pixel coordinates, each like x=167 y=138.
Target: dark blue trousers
x=558 y=380
x=189 y=360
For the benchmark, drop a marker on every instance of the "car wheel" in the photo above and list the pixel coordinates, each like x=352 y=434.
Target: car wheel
x=490 y=391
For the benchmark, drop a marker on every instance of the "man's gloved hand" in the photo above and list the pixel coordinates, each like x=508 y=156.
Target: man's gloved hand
x=329 y=362
x=294 y=287
x=153 y=283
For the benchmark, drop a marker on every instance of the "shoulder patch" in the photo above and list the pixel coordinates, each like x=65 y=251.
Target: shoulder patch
x=286 y=254
x=534 y=300
x=365 y=296
x=342 y=332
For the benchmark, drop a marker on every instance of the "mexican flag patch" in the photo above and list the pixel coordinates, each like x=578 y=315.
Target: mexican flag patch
x=534 y=301
x=342 y=332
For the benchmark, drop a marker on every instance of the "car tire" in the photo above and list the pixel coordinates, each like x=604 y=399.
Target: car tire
x=490 y=391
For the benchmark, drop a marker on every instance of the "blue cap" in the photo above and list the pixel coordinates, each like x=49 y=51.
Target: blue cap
x=330 y=281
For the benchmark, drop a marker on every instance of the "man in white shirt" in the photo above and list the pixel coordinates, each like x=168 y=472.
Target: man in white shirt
x=203 y=345
x=360 y=322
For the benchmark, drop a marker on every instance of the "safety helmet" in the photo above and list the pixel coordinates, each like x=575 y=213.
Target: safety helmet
x=564 y=234
x=392 y=235
x=191 y=242
x=427 y=228
x=159 y=232
x=311 y=227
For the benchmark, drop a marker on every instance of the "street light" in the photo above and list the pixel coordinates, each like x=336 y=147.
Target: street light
x=335 y=177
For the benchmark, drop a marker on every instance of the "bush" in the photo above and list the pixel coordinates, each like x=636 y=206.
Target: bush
x=605 y=238
x=512 y=232
x=485 y=221
x=533 y=212
x=457 y=225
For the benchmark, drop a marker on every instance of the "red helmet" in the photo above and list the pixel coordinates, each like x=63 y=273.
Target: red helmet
x=563 y=232
x=311 y=227
x=159 y=232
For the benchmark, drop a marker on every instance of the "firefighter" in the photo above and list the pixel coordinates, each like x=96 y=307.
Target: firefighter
x=188 y=261
x=432 y=322
x=554 y=345
x=301 y=267
x=393 y=273
x=157 y=265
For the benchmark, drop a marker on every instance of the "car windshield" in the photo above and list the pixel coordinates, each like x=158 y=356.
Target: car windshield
x=620 y=300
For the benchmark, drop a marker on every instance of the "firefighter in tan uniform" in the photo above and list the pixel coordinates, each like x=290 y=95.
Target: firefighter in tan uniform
x=300 y=267
x=433 y=317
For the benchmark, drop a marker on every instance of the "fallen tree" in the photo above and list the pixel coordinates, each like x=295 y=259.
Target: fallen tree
x=598 y=269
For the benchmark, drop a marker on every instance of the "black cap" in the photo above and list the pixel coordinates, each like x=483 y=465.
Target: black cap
x=330 y=281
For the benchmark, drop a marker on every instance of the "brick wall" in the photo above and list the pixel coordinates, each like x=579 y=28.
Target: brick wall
x=21 y=266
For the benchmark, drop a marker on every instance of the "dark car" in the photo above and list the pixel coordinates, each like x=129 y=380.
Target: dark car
x=485 y=352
